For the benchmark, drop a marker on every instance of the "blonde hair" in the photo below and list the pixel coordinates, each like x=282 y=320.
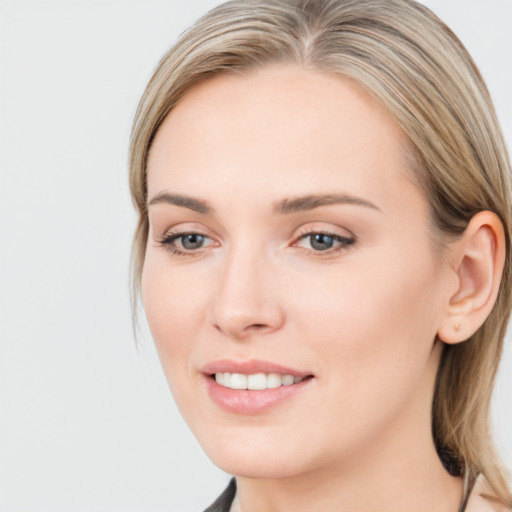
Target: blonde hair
x=416 y=68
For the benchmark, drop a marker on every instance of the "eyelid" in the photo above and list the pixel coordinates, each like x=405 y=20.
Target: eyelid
x=321 y=228
x=183 y=228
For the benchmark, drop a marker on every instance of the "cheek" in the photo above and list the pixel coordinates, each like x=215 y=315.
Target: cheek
x=373 y=329
x=354 y=299
x=174 y=307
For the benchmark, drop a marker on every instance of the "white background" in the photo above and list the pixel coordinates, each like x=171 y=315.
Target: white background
x=86 y=422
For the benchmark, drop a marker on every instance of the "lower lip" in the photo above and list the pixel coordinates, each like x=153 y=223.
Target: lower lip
x=244 y=401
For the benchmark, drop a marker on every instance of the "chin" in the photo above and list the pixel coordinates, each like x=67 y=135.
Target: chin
x=256 y=454
x=260 y=465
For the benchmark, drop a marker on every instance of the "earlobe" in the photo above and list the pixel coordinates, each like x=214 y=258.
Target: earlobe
x=479 y=257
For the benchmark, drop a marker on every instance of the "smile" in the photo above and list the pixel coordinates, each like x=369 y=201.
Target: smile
x=255 y=386
x=255 y=381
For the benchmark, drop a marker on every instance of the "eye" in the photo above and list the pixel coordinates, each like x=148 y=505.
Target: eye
x=184 y=243
x=324 y=242
x=191 y=241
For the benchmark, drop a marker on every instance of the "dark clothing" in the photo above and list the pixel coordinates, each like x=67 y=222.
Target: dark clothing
x=223 y=502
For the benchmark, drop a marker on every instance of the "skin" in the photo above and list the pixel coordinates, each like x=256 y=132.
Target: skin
x=362 y=317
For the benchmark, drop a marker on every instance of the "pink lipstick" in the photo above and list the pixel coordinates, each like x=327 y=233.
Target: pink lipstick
x=252 y=387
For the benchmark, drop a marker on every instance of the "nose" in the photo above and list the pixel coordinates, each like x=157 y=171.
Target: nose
x=246 y=302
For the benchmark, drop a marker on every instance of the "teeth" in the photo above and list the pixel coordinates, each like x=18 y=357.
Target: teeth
x=274 y=380
x=238 y=381
x=256 y=381
x=288 y=380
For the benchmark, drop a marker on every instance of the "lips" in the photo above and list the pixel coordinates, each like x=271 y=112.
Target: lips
x=251 y=367
x=254 y=386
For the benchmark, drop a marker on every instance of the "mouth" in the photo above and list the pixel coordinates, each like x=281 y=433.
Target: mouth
x=256 y=381
x=253 y=387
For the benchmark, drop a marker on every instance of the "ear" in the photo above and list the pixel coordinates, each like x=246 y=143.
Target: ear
x=477 y=259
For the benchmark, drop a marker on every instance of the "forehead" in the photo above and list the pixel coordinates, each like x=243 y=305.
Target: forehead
x=294 y=127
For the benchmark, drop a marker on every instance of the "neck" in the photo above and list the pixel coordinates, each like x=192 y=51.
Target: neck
x=398 y=471
x=400 y=486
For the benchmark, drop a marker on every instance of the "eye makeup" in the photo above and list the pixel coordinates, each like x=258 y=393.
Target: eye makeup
x=189 y=243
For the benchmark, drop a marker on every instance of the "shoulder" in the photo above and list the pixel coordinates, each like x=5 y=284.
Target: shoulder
x=482 y=500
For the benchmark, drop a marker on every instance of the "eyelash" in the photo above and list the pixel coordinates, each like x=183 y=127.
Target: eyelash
x=343 y=241
x=168 y=242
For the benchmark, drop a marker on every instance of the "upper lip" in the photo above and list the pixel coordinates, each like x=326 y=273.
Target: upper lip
x=250 y=367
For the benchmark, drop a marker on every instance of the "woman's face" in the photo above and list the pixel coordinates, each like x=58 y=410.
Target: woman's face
x=289 y=243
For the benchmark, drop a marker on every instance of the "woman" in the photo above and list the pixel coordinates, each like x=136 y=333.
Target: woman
x=323 y=251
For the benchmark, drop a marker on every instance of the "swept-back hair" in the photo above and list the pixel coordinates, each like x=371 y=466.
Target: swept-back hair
x=413 y=65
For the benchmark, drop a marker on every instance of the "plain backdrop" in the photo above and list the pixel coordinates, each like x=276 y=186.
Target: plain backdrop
x=87 y=422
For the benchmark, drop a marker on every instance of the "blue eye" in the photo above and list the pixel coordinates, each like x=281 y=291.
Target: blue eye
x=321 y=241
x=184 y=243
x=316 y=242
x=324 y=242
x=192 y=241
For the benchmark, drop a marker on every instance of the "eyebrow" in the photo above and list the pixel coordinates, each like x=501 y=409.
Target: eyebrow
x=197 y=205
x=311 y=202
x=283 y=207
